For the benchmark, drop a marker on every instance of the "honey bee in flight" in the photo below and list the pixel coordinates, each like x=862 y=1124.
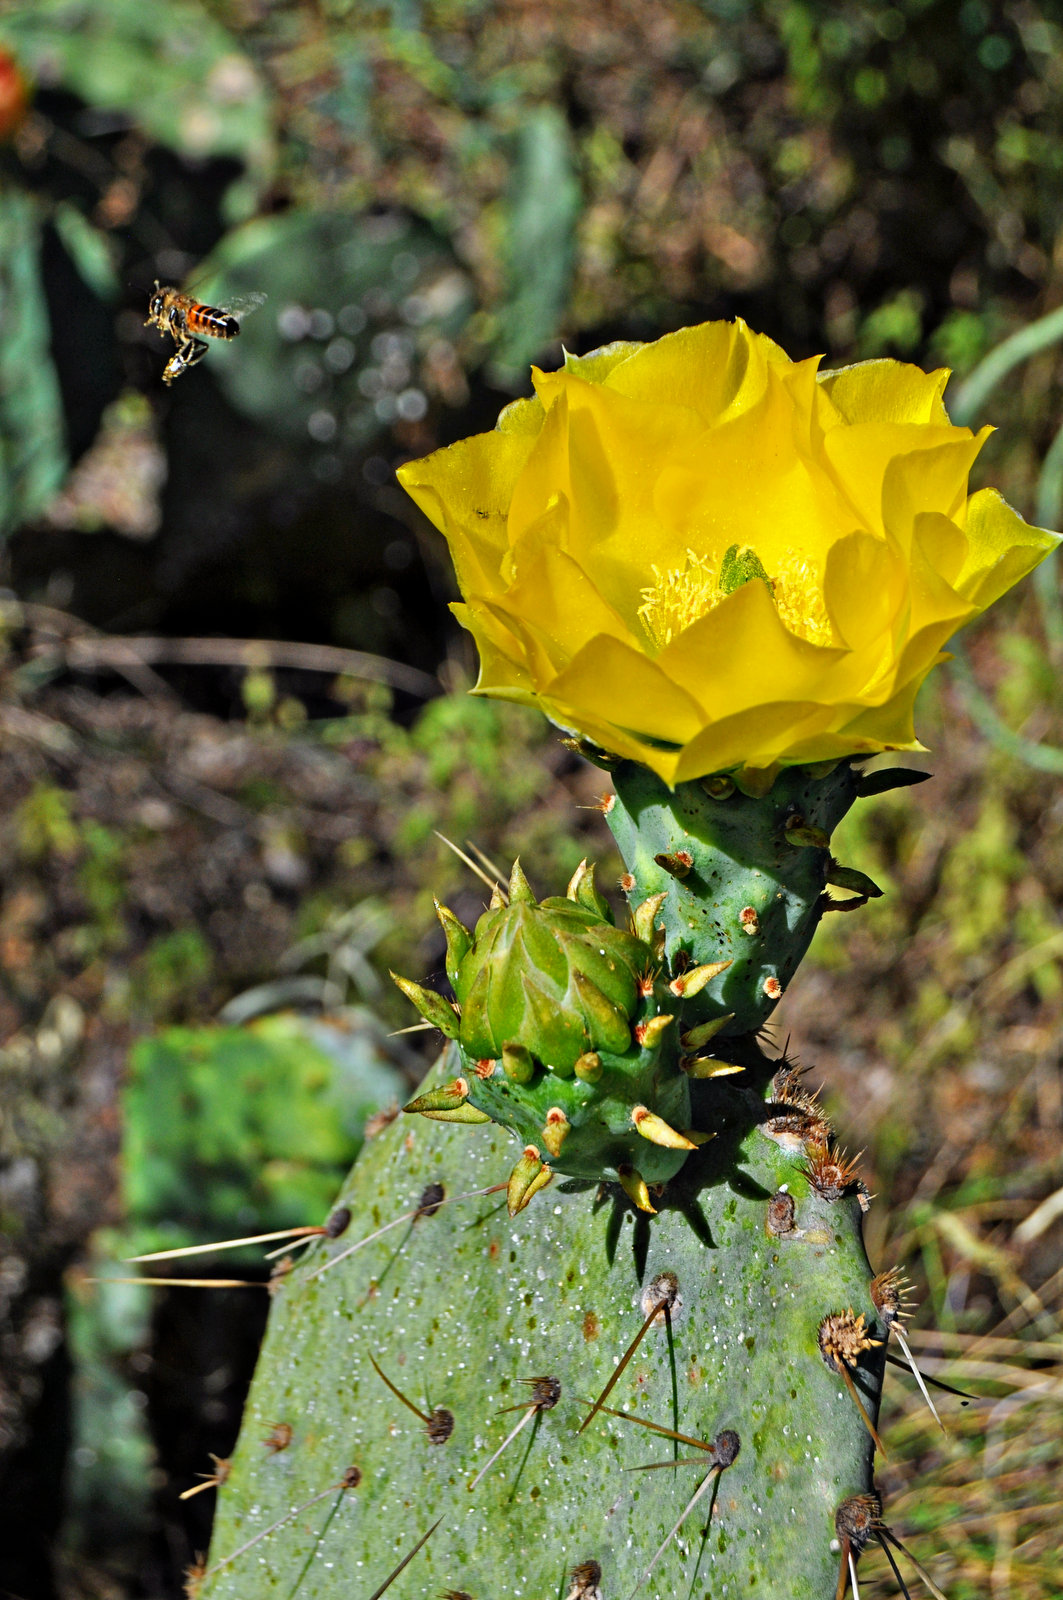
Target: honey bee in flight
x=191 y=323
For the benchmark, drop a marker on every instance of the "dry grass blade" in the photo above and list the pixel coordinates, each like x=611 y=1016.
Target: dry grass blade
x=483 y=857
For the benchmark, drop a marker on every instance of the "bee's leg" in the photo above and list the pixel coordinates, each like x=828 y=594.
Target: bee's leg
x=186 y=355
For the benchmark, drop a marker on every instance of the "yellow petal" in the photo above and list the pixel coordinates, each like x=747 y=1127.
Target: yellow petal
x=502 y=660
x=598 y=365
x=887 y=391
x=866 y=590
x=927 y=480
x=757 y=741
x=1002 y=548
x=714 y=370
x=604 y=454
x=617 y=683
x=555 y=594
x=746 y=482
x=859 y=456
x=889 y=726
x=465 y=491
x=741 y=654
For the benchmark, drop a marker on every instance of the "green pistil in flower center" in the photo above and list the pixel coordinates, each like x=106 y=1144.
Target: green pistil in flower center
x=680 y=595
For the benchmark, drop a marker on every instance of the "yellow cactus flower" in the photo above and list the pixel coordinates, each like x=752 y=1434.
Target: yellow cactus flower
x=703 y=556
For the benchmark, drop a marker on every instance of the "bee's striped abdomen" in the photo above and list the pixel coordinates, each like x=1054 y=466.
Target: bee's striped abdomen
x=209 y=322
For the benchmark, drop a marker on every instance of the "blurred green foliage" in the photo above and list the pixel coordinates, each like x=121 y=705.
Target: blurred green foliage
x=243 y=1129
x=385 y=287
x=430 y=194
x=174 y=69
x=32 y=450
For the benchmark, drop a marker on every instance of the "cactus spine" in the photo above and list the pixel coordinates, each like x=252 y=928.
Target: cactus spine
x=669 y=1184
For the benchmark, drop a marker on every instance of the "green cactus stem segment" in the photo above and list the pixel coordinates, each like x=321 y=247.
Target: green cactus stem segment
x=753 y=895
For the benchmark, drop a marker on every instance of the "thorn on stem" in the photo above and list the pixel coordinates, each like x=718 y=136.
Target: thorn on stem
x=211 y=1480
x=404 y=1563
x=842 y=1339
x=658 y=1299
x=439 y=1424
x=545 y=1394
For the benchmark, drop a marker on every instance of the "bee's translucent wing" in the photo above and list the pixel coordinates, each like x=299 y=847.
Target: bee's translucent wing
x=241 y=305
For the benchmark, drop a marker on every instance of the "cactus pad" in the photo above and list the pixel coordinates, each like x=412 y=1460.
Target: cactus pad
x=522 y=1322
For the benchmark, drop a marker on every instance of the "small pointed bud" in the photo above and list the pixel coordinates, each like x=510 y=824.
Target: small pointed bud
x=589 y=1067
x=556 y=1130
x=648 y=1034
x=634 y=1186
x=445 y=1098
x=528 y=1176
x=706 y=1067
x=804 y=835
x=675 y=862
x=699 y=1036
x=697 y=1138
x=498 y=899
x=518 y=1063
x=607 y=1023
x=433 y=1008
x=869 y=783
x=459 y=939
x=851 y=878
x=719 y=786
x=690 y=983
x=643 y=918
x=583 y=889
x=657 y=1131
x=520 y=890
x=466 y=1113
